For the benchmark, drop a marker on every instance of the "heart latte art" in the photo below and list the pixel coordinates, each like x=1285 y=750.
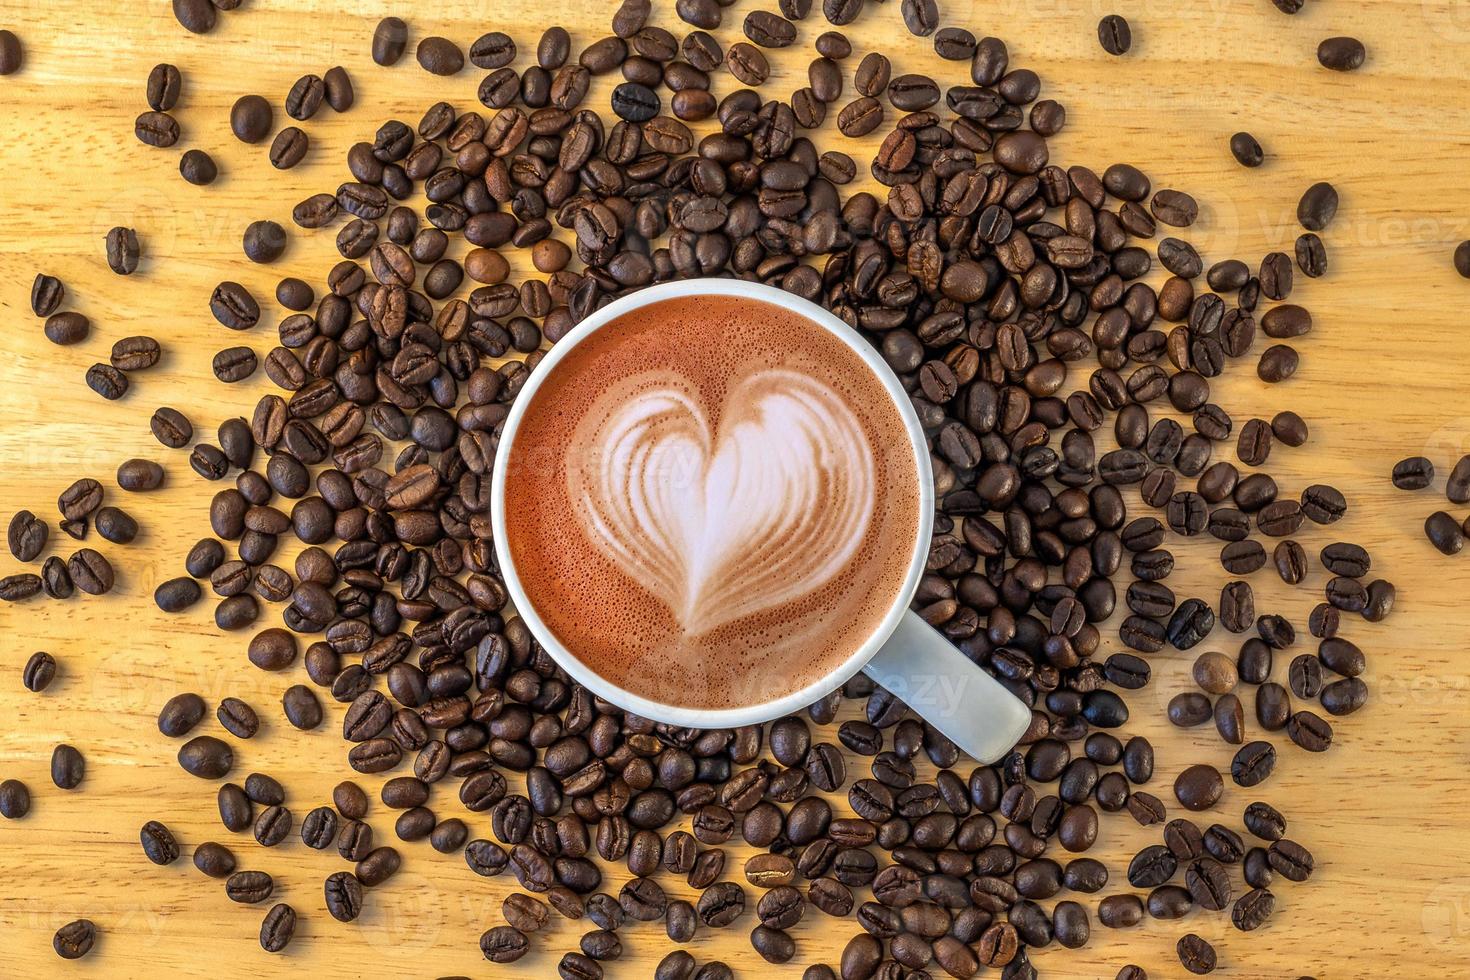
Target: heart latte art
x=711 y=502
x=723 y=522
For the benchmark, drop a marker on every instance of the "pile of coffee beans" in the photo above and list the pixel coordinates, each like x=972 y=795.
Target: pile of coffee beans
x=1066 y=399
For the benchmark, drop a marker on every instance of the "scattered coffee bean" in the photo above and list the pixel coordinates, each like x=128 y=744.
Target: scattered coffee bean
x=390 y=40
x=123 y=250
x=11 y=53
x=156 y=129
x=1341 y=53
x=39 y=672
x=158 y=843
x=1114 y=34
x=1246 y=150
x=198 y=167
x=1196 y=955
x=1317 y=207
x=75 y=939
x=68 y=767
x=251 y=118
x=277 y=928
x=437 y=56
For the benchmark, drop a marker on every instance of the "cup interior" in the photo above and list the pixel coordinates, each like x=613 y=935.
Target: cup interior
x=792 y=701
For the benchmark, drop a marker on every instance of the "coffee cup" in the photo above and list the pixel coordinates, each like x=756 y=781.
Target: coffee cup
x=712 y=504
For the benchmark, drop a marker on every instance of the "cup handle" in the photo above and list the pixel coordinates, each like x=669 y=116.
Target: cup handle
x=925 y=671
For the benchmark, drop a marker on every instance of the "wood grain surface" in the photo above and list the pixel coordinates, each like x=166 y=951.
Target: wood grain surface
x=1383 y=376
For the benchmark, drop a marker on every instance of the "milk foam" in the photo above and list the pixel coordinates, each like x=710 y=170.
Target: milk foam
x=723 y=523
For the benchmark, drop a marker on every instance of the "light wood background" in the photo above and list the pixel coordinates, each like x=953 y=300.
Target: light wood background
x=1382 y=377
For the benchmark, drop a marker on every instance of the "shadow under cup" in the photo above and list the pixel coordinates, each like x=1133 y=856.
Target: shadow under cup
x=708 y=503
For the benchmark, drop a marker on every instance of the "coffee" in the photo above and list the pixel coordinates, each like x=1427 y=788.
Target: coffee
x=711 y=501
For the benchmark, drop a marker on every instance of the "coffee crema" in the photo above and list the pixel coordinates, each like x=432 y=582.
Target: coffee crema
x=712 y=502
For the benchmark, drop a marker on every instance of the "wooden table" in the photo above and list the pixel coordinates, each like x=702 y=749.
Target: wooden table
x=1382 y=378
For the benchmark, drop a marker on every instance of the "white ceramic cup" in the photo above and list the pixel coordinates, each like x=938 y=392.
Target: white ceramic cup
x=904 y=654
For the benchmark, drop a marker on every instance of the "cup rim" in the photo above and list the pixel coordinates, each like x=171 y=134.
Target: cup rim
x=794 y=701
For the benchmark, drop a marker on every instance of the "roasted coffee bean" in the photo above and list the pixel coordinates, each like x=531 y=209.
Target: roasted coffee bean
x=116 y=525
x=1114 y=35
x=635 y=103
x=1343 y=697
x=343 y=896
x=1256 y=869
x=27 y=536
x=305 y=97
x=1265 y=821
x=769 y=30
x=1305 y=676
x=1253 y=764
x=1341 y=53
x=180 y=714
x=338 y=91
x=196 y=16
x=16 y=588
x=1444 y=532
x=1189 y=709
x=1290 y=559
x=1322 y=504
x=90 y=572
x=249 y=887
x=1309 y=731
x=1198 y=787
x=264 y=241
x=47 y=293
x=39 y=672
x=272 y=826
x=158 y=843
x=1343 y=559
x=439 y=56
x=720 y=904
x=1290 y=860
x=1317 y=207
x=107 y=381
x=1413 y=473
x=390 y=40
x=75 y=939
x=1277 y=363
x=67 y=328
x=206 y=757
x=233 y=306
x=11 y=53
x=950 y=43
x=198 y=167
x=1311 y=255
x=277 y=928
x=123 y=251
x=135 y=353
x=15 y=799
x=156 y=129
x=251 y=118
x=1196 y=955
x=1252 y=909
x=302 y=708
x=288 y=148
